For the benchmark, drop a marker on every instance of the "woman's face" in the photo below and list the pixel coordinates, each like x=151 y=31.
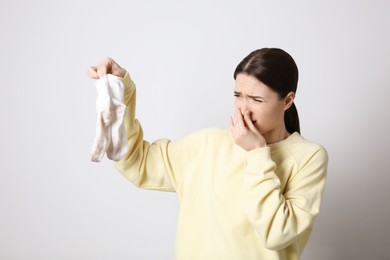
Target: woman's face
x=265 y=107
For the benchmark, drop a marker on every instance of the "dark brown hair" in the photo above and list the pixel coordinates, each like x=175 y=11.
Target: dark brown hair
x=278 y=70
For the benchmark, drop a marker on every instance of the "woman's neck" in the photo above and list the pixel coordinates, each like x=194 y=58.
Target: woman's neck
x=276 y=135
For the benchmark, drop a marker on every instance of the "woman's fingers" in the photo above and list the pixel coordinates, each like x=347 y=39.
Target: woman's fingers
x=104 y=68
x=231 y=123
x=236 y=123
x=92 y=72
x=239 y=121
x=249 y=123
x=245 y=134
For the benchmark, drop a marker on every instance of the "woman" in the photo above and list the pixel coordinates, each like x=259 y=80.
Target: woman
x=248 y=192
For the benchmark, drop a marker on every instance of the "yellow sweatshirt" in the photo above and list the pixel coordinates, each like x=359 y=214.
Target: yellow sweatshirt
x=234 y=204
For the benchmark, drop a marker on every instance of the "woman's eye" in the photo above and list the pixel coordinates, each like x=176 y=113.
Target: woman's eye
x=258 y=100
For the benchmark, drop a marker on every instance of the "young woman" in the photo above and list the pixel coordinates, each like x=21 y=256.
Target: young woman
x=248 y=192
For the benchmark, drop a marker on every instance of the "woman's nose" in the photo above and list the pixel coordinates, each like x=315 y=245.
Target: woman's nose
x=243 y=107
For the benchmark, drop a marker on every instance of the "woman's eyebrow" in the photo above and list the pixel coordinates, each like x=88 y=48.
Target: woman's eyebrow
x=250 y=96
x=256 y=97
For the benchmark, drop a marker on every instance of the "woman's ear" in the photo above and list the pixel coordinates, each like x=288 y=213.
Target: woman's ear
x=288 y=100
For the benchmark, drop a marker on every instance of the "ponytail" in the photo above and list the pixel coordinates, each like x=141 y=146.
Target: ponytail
x=291 y=119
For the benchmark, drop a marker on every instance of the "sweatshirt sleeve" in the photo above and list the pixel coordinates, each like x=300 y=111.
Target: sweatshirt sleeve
x=280 y=217
x=159 y=165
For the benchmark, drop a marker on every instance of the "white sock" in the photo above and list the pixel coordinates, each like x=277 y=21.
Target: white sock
x=110 y=135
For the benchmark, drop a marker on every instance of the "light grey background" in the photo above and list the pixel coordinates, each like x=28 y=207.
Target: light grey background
x=56 y=204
